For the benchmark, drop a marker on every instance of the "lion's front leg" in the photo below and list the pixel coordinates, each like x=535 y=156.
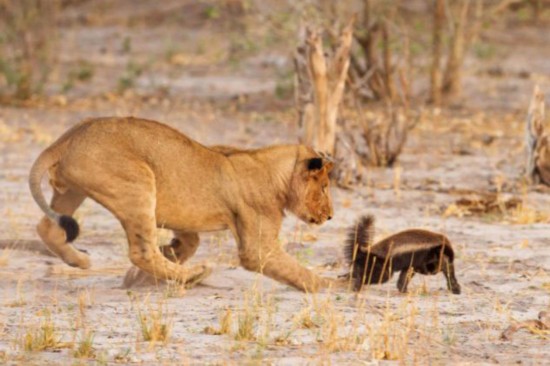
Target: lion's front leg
x=259 y=251
x=280 y=266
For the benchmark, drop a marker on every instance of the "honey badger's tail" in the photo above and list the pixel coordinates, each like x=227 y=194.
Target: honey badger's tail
x=356 y=250
x=360 y=237
x=46 y=160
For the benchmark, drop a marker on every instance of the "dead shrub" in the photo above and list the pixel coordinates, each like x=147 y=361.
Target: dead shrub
x=27 y=38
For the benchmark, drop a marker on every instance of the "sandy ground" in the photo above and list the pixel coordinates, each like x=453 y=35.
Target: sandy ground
x=503 y=257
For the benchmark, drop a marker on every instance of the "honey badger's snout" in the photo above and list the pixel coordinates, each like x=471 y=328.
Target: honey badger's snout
x=408 y=252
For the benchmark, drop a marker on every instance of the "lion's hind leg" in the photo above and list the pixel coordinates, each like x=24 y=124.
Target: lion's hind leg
x=146 y=255
x=180 y=249
x=54 y=236
x=136 y=211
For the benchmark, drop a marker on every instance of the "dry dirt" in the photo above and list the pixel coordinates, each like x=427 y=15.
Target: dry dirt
x=503 y=256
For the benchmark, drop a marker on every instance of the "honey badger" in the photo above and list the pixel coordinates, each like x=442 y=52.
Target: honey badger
x=409 y=252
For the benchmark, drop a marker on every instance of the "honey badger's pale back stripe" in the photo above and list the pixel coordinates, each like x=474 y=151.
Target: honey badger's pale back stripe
x=412 y=247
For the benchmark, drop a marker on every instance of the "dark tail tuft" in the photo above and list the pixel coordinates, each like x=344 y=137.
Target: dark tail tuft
x=360 y=235
x=70 y=226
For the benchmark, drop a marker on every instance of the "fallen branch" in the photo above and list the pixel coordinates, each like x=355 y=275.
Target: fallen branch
x=540 y=327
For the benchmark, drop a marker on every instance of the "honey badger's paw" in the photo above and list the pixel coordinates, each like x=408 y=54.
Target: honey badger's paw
x=136 y=277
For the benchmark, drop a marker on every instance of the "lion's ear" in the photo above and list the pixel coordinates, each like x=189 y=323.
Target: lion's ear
x=314 y=164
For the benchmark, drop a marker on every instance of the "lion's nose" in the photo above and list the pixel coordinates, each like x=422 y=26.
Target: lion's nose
x=330 y=217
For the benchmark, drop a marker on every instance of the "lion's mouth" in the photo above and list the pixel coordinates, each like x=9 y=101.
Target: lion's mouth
x=315 y=221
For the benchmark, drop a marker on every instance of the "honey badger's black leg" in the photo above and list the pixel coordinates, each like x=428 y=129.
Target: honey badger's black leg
x=448 y=270
x=404 y=278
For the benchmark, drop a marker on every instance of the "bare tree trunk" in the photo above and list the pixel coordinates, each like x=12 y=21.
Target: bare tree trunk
x=366 y=13
x=536 y=4
x=338 y=71
x=534 y=133
x=318 y=71
x=303 y=96
x=371 y=74
x=321 y=83
x=453 y=74
x=435 y=76
x=388 y=72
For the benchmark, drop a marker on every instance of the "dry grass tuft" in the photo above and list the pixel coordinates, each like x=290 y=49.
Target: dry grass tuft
x=305 y=319
x=246 y=327
x=45 y=337
x=496 y=206
x=247 y=317
x=155 y=325
x=226 y=321
x=20 y=300
x=333 y=332
x=389 y=338
x=4 y=257
x=482 y=204
x=83 y=300
x=85 y=347
x=525 y=215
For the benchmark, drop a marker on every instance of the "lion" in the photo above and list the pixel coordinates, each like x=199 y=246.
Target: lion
x=149 y=175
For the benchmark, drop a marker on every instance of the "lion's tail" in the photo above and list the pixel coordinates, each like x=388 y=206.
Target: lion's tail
x=46 y=160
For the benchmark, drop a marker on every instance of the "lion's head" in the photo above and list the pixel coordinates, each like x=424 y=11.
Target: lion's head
x=310 y=198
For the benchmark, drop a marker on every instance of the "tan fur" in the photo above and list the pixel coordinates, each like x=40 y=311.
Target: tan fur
x=150 y=175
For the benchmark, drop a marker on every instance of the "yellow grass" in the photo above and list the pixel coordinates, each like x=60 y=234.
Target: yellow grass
x=154 y=322
x=4 y=257
x=85 y=347
x=43 y=338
